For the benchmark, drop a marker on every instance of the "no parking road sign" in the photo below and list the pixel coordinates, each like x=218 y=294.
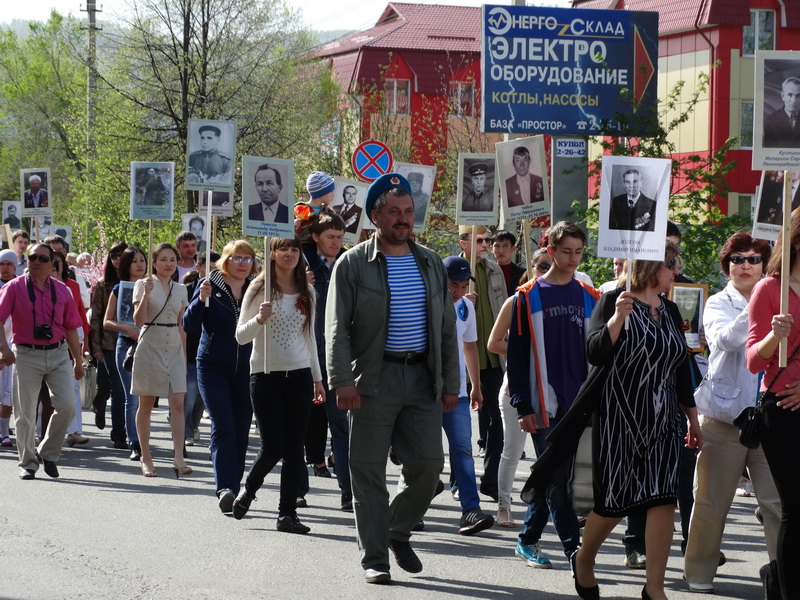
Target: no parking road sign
x=371 y=160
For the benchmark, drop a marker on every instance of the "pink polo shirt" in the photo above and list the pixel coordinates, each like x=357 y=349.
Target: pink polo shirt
x=15 y=302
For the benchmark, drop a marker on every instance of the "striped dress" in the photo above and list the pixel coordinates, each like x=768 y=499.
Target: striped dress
x=637 y=438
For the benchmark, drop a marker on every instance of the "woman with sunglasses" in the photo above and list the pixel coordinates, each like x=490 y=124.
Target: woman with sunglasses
x=513 y=437
x=102 y=344
x=781 y=400
x=281 y=394
x=727 y=390
x=640 y=383
x=59 y=271
x=223 y=366
x=119 y=318
x=159 y=363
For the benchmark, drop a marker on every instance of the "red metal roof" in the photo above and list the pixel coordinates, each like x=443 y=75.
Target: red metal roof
x=683 y=15
x=417 y=27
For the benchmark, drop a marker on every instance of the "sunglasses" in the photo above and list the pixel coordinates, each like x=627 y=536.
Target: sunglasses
x=739 y=260
x=671 y=262
x=40 y=257
x=544 y=267
x=248 y=260
x=114 y=255
x=482 y=240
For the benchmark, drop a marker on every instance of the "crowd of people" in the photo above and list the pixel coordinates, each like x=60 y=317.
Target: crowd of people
x=387 y=345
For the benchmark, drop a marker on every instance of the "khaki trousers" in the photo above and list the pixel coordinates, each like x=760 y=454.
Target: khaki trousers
x=719 y=466
x=54 y=367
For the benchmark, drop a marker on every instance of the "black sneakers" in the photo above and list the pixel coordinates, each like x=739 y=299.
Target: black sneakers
x=473 y=521
x=242 y=504
x=405 y=556
x=291 y=525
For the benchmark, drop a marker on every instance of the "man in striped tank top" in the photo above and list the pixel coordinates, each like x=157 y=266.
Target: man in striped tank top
x=392 y=358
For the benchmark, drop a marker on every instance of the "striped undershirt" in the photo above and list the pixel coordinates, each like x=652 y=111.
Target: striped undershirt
x=408 y=325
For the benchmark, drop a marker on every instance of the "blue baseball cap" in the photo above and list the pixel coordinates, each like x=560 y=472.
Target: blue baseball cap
x=457 y=269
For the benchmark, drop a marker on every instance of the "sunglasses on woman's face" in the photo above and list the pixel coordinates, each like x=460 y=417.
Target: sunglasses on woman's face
x=739 y=260
x=544 y=267
x=671 y=262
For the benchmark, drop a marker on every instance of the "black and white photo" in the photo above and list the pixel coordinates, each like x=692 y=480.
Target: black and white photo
x=522 y=171
x=211 y=155
x=267 y=189
x=477 y=201
x=152 y=190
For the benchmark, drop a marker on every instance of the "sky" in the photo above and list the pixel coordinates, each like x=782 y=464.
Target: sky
x=318 y=14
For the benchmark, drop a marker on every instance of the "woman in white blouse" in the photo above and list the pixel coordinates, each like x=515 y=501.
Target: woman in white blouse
x=283 y=393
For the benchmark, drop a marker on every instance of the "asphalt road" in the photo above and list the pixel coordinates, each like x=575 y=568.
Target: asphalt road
x=103 y=531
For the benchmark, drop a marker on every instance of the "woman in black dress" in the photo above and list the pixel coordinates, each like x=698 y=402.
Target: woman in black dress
x=637 y=434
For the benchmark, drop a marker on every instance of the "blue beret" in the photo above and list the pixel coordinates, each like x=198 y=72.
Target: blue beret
x=380 y=185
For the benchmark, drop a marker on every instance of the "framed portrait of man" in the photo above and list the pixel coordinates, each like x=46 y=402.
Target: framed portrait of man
x=210 y=155
x=65 y=231
x=221 y=204
x=196 y=223
x=348 y=202
x=477 y=196
x=421 y=179
x=522 y=173
x=776 y=110
x=768 y=217
x=35 y=194
x=267 y=189
x=152 y=191
x=12 y=214
x=634 y=201
x=691 y=300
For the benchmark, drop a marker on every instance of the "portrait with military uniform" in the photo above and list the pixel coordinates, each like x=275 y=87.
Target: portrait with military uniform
x=211 y=155
x=477 y=201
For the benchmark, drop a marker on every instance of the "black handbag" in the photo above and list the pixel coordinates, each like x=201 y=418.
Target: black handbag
x=749 y=424
x=127 y=362
x=750 y=419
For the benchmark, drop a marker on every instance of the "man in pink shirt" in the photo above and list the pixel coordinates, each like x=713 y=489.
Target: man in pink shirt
x=44 y=317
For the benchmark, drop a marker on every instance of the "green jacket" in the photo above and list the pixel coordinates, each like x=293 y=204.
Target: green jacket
x=357 y=317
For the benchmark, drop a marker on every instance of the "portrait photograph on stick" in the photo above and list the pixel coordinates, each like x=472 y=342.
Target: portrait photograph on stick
x=152 y=190
x=35 y=192
x=348 y=203
x=196 y=224
x=776 y=110
x=522 y=171
x=421 y=178
x=12 y=212
x=221 y=204
x=267 y=190
x=634 y=203
x=210 y=155
x=478 y=193
x=768 y=216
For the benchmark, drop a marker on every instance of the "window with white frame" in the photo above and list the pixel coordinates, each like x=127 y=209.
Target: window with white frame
x=397 y=94
x=462 y=98
x=746 y=125
x=760 y=34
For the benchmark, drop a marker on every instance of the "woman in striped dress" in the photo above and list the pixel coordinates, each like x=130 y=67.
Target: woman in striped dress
x=637 y=435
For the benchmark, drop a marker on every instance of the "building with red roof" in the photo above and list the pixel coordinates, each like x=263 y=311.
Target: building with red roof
x=420 y=64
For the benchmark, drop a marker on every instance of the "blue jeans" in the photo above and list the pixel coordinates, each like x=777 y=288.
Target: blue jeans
x=117 y=395
x=557 y=503
x=131 y=400
x=457 y=425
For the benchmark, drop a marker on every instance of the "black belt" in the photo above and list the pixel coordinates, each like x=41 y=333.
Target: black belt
x=42 y=346
x=162 y=324
x=408 y=358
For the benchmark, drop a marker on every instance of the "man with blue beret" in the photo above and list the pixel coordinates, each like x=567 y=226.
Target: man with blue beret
x=392 y=357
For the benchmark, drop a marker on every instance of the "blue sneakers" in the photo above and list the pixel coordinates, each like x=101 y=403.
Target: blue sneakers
x=533 y=554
